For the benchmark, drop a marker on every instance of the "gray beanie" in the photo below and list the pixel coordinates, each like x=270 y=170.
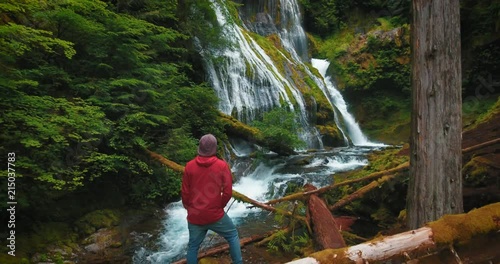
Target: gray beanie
x=208 y=145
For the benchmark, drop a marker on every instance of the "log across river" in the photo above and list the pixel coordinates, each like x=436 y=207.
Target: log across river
x=261 y=181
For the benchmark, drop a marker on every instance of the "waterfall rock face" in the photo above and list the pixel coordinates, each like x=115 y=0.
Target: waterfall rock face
x=281 y=17
x=259 y=16
x=265 y=64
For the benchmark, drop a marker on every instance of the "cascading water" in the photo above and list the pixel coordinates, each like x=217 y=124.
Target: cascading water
x=356 y=135
x=247 y=82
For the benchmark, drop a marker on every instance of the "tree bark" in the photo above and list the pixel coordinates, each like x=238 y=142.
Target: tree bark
x=435 y=186
x=326 y=231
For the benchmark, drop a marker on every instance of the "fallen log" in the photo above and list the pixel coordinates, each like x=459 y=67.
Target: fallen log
x=481 y=145
x=372 y=176
x=447 y=232
x=174 y=166
x=360 y=192
x=225 y=247
x=236 y=195
x=326 y=231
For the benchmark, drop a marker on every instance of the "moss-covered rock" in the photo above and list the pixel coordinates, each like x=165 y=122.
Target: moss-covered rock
x=331 y=135
x=96 y=220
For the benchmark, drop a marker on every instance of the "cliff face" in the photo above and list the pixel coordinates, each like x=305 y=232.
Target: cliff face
x=368 y=45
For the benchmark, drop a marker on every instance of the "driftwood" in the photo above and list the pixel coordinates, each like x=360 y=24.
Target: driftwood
x=225 y=247
x=326 y=231
x=447 y=232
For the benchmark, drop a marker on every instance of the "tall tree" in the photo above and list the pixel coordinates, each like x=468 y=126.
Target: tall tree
x=435 y=186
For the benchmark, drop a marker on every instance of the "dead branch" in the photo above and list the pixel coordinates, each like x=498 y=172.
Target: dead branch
x=481 y=145
x=360 y=192
x=372 y=176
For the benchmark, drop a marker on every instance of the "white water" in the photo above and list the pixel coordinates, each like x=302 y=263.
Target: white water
x=247 y=81
x=257 y=183
x=355 y=134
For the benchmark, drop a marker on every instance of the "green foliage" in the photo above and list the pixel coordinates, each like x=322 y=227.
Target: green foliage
x=180 y=146
x=197 y=18
x=281 y=242
x=55 y=136
x=327 y=16
x=294 y=241
x=279 y=127
x=93 y=221
x=84 y=89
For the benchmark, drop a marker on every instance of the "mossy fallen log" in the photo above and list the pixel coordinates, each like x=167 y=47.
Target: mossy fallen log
x=251 y=134
x=445 y=233
x=361 y=192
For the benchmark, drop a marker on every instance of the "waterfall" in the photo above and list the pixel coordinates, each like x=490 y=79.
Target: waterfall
x=248 y=82
x=355 y=134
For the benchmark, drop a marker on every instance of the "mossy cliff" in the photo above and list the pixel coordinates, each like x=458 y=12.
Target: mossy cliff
x=368 y=45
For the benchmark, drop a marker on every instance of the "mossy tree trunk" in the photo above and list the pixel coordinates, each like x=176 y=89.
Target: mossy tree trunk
x=435 y=185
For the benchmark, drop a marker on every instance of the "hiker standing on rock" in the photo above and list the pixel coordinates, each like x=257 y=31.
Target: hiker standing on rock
x=206 y=189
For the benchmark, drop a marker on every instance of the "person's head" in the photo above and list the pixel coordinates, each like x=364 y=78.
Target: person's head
x=207 y=146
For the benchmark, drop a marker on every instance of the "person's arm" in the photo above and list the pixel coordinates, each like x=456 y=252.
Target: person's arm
x=227 y=185
x=185 y=190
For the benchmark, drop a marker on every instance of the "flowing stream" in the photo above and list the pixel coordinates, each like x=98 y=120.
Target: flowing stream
x=246 y=81
x=260 y=180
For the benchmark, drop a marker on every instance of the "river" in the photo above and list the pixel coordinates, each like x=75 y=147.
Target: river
x=260 y=179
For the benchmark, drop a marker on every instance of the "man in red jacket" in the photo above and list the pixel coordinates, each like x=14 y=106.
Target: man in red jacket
x=206 y=189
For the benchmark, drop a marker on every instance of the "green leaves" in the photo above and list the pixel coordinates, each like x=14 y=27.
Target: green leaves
x=85 y=88
x=279 y=127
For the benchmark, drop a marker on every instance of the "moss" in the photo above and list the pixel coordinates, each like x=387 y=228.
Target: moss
x=209 y=260
x=8 y=259
x=53 y=234
x=493 y=111
x=475 y=173
x=95 y=220
x=474 y=111
x=460 y=228
x=337 y=256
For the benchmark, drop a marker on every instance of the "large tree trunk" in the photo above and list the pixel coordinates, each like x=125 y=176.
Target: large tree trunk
x=435 y=186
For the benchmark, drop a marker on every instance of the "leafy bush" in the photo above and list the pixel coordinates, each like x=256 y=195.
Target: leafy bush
x=279 y=127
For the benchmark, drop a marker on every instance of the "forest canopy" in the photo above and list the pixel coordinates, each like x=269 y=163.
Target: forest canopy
x=85 y=86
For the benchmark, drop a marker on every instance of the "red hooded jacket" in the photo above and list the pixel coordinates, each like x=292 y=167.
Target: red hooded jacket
x=206 y=189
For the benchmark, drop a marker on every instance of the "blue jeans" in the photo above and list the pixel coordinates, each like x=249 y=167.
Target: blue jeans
x=225 y=228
